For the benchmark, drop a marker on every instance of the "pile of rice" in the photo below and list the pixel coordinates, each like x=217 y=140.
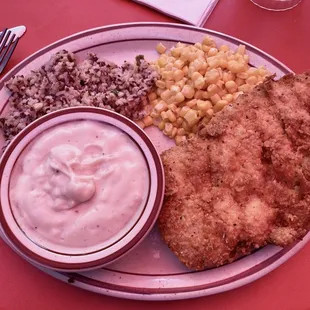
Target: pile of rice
x=63 y=82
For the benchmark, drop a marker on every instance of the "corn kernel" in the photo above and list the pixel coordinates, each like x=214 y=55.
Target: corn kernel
x=212 y=76
x=261 y=71
x=180 y=44
x=160 y=107
x=206 y=120
x=191 y=71
x=212 y=51
x=176 y=52
x=181 y=132
x=154 y=114
x=148 y=121
x=215 y=98
x=185 y=70
x=162 y=61
x=166 y=95
x=179 y=121
x=231 y=86
x=196 y=75
x=179 y=64
x=208 y=41
x=140 y=124
x=237 y=94
x=168 y=129
x=171 y=100
x=210 y=113
x=191 y=103
x=156 y=121
x=235 y=66
x=160 y=48
x=172 y=107
x=252 y=80
x=179 y=139
x=253 y=71
x=164 y=116
x=220 y=105
x=199 y=83
x=186 y=126
x=241 y=49
x=204 y=105
x=228 y=76
x=212 y=89
x=159 y=91
x=154 y=102
x=197 y=64
x=184 y=110
x=175 y=89
x=173 y=132
x=188 y=92
x=178 y=75
x=169 y=83
x=179 y=97
x=228 y=97
x=152 y=96
x=224 y=48
x=191 y=117
x=192 y=56
x=198 y=94
x=161 y=125
x=213 y=62
x=160 y=84
x=222 y=92
x=205 y=95
x=201 y=113
x=242 y=75
x=198 y=45
x=245 y=88
x=169 y=67
x=220 y=84
x=181 y=83
x=206 y=48
x=167 y=75
x=239 y=81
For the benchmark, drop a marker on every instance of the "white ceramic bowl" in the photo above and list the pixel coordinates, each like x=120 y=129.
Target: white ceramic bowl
x=86 y=260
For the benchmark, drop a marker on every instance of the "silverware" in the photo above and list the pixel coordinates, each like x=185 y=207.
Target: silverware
x=8 y=42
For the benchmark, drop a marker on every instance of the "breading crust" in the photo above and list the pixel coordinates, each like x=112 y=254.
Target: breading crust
x=245 y=182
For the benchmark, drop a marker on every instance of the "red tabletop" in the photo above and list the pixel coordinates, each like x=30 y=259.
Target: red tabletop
x=285 y=35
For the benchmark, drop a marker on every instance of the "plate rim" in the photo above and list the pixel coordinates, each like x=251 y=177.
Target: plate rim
x=165 y=296
x=133 y=24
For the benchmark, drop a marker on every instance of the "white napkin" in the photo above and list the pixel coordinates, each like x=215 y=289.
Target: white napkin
x=194 y=12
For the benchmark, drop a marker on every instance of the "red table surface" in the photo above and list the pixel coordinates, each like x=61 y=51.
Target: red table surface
x=285 y=35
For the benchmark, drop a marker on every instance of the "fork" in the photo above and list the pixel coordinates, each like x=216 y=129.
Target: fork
x=8 y=43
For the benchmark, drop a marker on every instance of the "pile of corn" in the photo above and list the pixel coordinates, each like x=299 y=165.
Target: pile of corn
x=197 y=81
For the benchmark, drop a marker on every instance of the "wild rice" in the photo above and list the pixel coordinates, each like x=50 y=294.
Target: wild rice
x=63 y=82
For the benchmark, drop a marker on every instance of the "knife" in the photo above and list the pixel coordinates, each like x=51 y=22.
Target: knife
x=18 y=31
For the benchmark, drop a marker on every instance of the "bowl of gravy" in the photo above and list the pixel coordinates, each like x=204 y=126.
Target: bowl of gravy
x=80 y=188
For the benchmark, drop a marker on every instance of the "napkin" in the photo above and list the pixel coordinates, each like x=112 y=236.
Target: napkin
x=194 y=12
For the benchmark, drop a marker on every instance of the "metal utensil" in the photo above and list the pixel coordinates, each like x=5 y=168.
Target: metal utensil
x=8 y=42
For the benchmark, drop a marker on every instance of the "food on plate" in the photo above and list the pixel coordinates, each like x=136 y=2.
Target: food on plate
x=64 y=82
x=78 y=185
x=197 y=81
x=245 y=182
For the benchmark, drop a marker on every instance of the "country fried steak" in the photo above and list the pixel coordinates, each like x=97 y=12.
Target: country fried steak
x=245 y=182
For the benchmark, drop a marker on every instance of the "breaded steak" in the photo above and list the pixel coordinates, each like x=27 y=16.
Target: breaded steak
x=245 y=182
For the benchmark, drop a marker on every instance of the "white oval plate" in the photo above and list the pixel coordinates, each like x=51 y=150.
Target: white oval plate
x=151 y=271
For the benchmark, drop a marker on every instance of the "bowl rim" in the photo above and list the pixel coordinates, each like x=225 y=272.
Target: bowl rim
x=147 y=225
